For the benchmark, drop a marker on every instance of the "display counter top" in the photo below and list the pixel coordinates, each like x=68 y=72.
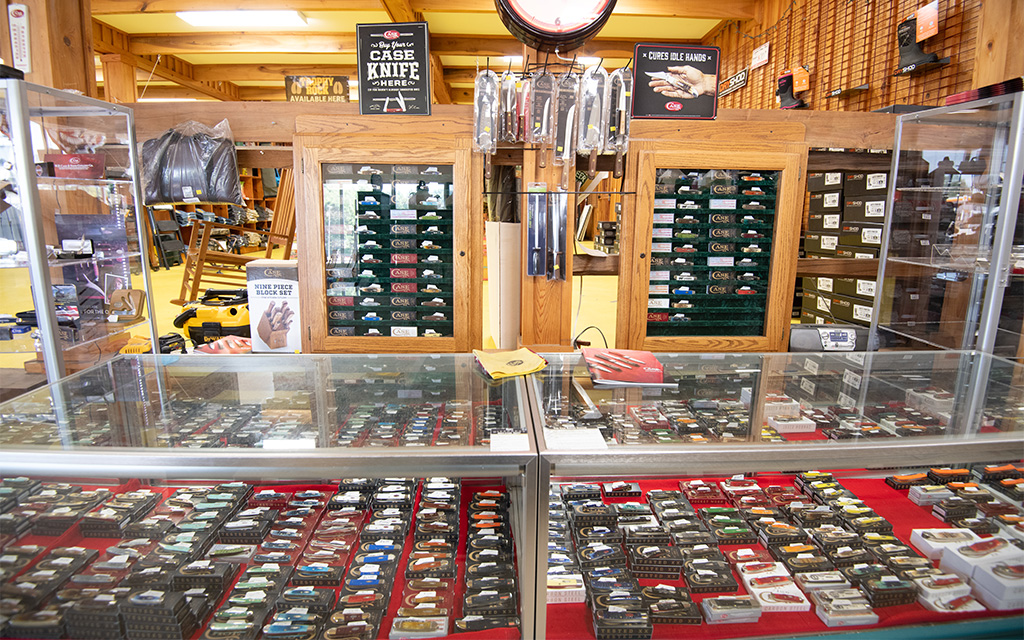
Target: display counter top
x=888 y=409
x=296 y=417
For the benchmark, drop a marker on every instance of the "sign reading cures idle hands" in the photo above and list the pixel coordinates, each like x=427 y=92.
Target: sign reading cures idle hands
x=394 y=68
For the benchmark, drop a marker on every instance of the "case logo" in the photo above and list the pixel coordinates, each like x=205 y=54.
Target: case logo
x=721 y=246
x=721 y=233
x=720 y=275
x=403 y=315
x=718 y=288
x=721 y=218
x=723 y=189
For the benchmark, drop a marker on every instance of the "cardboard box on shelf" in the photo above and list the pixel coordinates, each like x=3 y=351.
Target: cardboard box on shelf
x=860 y=234
x=823 y=221
x=821 y=243
x=818 y=181
x=863 y=184
x=864 y=209
x=844 y=251
x=826 y=202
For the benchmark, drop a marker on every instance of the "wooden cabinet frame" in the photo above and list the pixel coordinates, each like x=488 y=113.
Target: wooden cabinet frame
x=313 y=149
x=635 y=241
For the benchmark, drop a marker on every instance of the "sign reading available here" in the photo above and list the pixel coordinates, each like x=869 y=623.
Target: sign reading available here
x=316 y=88
x=673 y=81
x=394 y=68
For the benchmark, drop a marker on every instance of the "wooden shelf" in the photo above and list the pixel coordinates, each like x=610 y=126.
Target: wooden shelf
x=587 y=265
x=837 y=267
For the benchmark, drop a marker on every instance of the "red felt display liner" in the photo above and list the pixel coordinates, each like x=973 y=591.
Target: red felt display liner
x=567 y=621
x=72 y=538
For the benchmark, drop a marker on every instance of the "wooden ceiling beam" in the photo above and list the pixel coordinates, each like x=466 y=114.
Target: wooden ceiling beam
x=243 y=42
x=267 y=72
x=402 y=11
x=720 y=9
x=107 y=39
x=441 y=44
x=105 y=7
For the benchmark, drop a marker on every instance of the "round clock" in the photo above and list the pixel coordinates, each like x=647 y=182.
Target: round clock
x=547 y=25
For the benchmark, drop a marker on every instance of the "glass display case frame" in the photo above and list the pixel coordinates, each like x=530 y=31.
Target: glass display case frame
x=950 y=270
x=43 y=121
x=589 y=459
x=789 y=160
x=130 y=394
x=379 y=141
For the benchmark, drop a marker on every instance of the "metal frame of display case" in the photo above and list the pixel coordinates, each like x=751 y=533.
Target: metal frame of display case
x=440 y=140
x=789 y=159
x=35 y=218
x=129 y=374
x=644 y=461
x=988 y=258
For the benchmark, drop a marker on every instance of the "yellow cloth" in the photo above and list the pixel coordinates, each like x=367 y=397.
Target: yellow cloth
x=503 y=364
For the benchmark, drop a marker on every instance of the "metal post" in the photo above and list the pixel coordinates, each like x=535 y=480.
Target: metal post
x=1006 y=225
x=35 y=245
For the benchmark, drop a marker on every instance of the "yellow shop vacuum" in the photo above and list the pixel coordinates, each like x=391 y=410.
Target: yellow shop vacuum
x=219 y=313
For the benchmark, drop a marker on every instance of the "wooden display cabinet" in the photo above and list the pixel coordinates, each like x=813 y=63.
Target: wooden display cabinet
x=654 y=314
x=390 y=254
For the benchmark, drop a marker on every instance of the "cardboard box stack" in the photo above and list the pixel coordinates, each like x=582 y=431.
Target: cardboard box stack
x=846 y=219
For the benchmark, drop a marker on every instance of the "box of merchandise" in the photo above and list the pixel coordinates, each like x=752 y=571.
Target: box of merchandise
x=273 y=287
x=844 y=251
x=847 y=309
x=865 y=184
x=821 y=243
x=864 y=209
x=855 y=287
x=824 y=181
x=823 y=222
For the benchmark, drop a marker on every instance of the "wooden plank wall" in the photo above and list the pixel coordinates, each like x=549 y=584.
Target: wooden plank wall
x=846 y=43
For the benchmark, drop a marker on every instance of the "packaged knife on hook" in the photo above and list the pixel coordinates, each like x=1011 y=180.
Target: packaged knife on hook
x=508 y=107
x=536 y=228
x=540 y=113
x=620 y=96
x=565 y=124
x=485 y=116
x=590 y=123
x=558 y=209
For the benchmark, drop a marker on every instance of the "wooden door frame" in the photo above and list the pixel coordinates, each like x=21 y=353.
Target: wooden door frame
x=790 y=158
x=313 y=150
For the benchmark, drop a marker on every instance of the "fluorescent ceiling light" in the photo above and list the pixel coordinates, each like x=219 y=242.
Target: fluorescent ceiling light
x=168 y=99
x=587 y=61
x=244 y=19
x=512 y=59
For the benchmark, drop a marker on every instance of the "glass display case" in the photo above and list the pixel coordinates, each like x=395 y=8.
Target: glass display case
x=378 y=494
x=754 y=488
x=74 y=279
x=950 y=267
x=709 y=257
x=391 y=206
x=388 y=241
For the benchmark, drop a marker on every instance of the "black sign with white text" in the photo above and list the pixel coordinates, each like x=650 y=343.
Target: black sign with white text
x=394 y=68
x=675 y=81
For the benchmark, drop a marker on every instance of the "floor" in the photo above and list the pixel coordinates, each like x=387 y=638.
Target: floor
x=594 y=302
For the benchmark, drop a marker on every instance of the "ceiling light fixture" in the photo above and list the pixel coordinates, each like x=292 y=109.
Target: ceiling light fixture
x=244 y=19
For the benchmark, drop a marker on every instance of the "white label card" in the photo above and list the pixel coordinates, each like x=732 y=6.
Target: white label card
x=825 y=284
x=852 y=379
